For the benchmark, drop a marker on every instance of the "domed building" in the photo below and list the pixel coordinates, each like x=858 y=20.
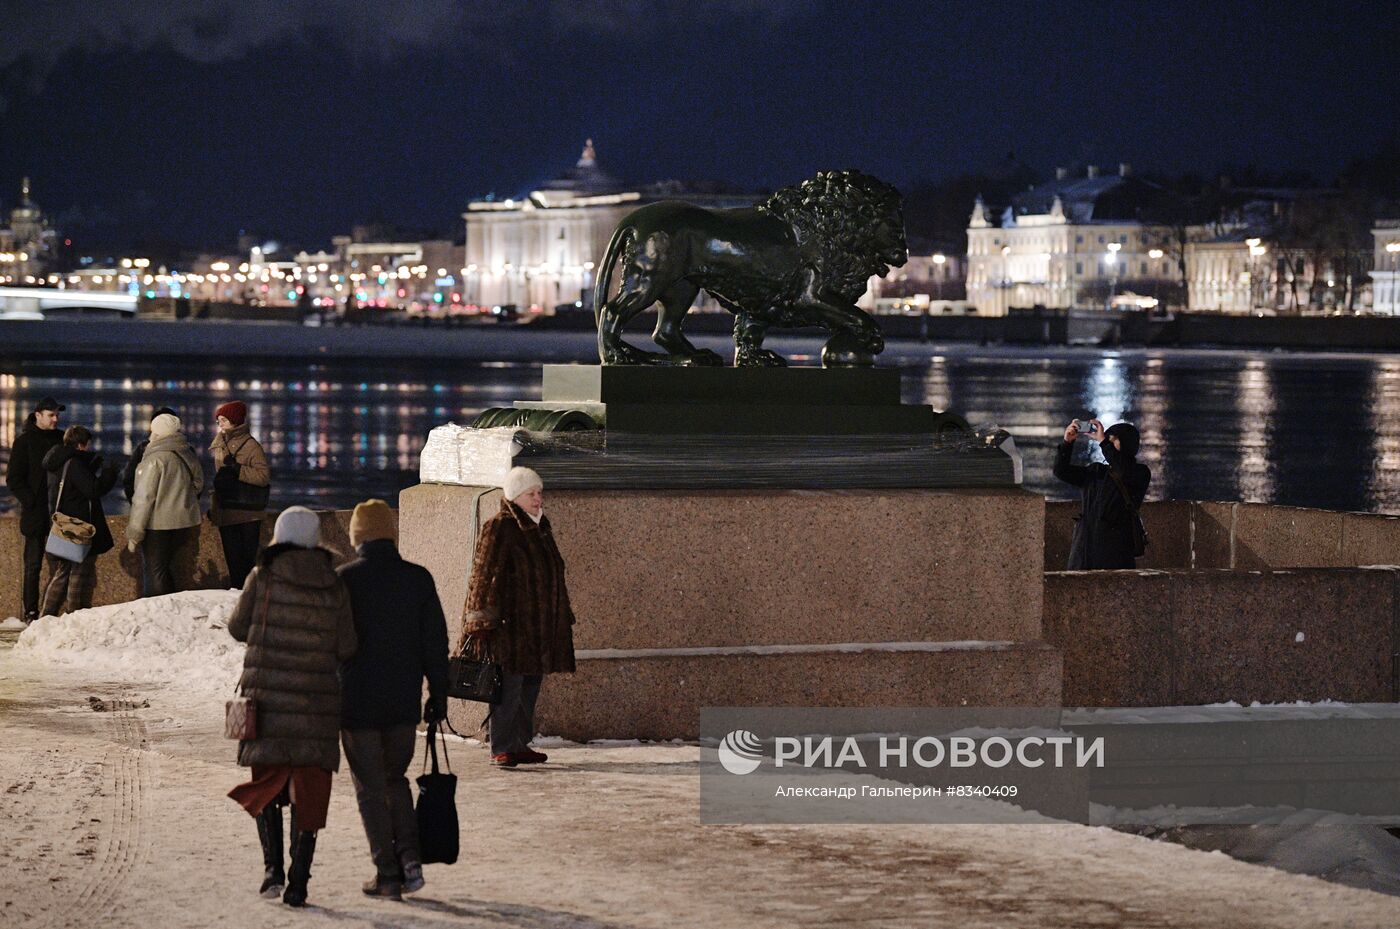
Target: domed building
x=539 y=249
x=28 y=246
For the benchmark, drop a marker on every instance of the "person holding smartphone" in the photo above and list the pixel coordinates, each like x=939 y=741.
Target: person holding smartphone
x=1108 y=531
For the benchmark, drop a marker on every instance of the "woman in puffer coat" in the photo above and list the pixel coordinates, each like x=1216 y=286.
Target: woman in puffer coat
x=294 y=613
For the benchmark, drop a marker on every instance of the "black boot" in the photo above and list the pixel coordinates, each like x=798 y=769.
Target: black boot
x=270 y=834
x=303 y=850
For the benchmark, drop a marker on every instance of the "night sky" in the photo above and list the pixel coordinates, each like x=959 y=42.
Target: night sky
x=186 y=122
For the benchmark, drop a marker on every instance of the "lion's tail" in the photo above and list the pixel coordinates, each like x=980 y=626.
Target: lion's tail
x=622 y=240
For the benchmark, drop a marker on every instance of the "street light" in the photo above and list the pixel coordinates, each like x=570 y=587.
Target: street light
x=1111 y=260
x=1156 y=255
x=939 y=259
x=1005 y=280
x=1256 y=249
x=1393 y=250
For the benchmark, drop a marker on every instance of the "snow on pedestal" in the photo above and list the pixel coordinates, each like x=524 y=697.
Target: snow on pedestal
x=462 y=455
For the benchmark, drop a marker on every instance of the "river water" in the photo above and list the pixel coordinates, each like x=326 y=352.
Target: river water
x=1317 y=430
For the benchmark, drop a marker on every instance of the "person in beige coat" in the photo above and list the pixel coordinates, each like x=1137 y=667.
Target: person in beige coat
x=241 y=482
x=166 y=505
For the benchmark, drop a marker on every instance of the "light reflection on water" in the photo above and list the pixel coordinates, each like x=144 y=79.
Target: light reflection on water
x=1305 y=430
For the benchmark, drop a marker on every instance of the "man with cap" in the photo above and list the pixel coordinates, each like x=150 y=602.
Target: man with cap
x=402 y=640
x=29 y=482
x=129 y=472
x=1111 y=495
x=166 y=505
x=241 y=479
x=518 y=613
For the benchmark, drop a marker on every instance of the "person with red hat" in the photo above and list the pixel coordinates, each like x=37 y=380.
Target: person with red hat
x=242 y=483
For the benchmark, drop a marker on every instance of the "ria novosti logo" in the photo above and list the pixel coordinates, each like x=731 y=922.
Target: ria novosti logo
x=740 y=752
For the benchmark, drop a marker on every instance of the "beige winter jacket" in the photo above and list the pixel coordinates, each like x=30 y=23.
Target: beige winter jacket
x=168 y=482
x=252 y=469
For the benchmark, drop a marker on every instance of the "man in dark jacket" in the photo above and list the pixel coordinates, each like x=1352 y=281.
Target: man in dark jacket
x=1111 y=495
x=29 y=482
x=78 y=480
x=129 y=473
x=402 y=639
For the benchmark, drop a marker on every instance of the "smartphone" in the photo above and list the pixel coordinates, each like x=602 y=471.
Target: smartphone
x=1085 y=428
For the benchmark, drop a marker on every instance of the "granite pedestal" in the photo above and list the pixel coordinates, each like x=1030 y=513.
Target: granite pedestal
x=691 y=598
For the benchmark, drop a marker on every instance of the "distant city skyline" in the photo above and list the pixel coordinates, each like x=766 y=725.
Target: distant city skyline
x=297 y=120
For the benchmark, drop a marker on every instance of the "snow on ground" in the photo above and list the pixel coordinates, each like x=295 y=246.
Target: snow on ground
x=118 y=816
x=180 y=640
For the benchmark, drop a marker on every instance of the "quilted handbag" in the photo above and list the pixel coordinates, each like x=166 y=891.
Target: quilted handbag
x=240 y=719
x=241 y=713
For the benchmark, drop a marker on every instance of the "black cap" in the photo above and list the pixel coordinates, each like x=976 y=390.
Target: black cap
x=49 y=403
x=163 y=410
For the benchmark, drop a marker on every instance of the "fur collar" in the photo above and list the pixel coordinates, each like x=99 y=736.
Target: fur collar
x=522 y=519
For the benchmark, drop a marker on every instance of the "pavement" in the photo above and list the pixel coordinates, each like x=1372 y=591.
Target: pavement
x=113 y=813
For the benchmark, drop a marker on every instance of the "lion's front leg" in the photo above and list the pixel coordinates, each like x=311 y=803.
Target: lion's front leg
x=748 y=344
x=855 y=337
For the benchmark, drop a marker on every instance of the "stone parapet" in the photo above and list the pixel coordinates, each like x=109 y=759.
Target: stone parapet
x=1164 y=638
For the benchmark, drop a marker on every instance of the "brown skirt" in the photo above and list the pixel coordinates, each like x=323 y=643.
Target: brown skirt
x=308 y=787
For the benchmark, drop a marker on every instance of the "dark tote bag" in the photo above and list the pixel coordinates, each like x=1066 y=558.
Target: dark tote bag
x=438 y=838
x=234 y=494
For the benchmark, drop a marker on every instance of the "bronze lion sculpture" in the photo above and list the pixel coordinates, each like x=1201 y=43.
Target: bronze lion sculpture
x=800 y=258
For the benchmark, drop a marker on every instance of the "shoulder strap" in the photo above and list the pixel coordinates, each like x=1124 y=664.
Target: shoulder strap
x=1122 y=488
x=234 y=454
x=58 y=501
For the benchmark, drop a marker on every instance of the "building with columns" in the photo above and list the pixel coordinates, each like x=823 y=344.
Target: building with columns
x=1071 y=242
x=1385 y=278
x=28 y=245
x=539 y=250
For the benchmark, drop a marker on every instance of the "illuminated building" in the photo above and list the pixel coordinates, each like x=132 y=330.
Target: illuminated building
x=1084 y=241
x=28 y=246
x=537 y=251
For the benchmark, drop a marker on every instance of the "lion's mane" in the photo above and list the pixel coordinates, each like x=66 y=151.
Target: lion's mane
x=832 y=215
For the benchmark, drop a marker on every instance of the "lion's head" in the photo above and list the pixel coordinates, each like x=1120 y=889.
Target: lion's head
x=849 y=223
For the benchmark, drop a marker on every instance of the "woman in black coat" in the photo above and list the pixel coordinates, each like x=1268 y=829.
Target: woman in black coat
x=83 y=479
x=1103 y=531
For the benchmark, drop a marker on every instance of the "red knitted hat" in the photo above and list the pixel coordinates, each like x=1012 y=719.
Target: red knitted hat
x=236 y=411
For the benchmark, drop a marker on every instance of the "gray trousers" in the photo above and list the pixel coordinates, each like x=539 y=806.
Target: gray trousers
x=378 y=759
x=513 y=719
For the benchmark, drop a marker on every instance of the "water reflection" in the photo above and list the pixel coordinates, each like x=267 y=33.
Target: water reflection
x=1266 y=427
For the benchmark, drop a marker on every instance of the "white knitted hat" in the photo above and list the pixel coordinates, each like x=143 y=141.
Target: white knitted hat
x=297 y=526
x=163 y=425
x=520 y=480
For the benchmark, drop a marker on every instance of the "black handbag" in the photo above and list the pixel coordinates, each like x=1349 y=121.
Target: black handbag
x=473 y=679
x=439 y=839
x=233 y=494
x=472 y=675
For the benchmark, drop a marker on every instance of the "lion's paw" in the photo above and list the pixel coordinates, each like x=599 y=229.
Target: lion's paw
x=759 y=358
x=845 y=351
x=701 y=358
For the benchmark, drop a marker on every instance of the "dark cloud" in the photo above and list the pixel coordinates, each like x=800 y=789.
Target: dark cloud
x=38 y=35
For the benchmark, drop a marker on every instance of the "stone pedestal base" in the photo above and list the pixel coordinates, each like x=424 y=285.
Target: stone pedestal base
x=781 y=598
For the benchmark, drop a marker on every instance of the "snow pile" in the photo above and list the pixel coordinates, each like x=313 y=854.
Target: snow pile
x=11 y=624
x=1354 y=855
x=180 y=639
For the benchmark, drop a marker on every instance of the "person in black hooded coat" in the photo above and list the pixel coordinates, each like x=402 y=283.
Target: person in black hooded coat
x=84 y=480
x=1103 y=531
